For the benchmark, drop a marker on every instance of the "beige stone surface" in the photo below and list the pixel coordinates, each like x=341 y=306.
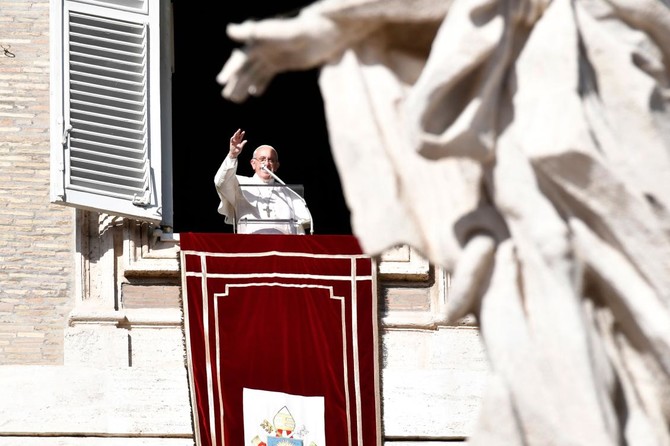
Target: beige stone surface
x=93 y=441
x=432 y=382
x=75 y=401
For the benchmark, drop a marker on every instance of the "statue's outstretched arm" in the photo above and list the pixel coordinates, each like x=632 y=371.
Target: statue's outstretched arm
x=273 y=46
x=319 y=33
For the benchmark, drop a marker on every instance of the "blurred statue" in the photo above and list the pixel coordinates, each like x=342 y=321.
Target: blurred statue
x=525 y=146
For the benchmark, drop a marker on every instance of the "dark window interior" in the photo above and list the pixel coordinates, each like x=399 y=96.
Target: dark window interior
x=289 y=116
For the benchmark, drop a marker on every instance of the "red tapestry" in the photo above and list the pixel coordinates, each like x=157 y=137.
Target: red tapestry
x=291 y=316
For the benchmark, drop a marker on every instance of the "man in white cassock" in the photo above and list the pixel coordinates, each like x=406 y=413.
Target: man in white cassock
x=258 y=204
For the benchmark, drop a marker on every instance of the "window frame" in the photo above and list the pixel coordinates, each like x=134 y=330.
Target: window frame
x=156 y=17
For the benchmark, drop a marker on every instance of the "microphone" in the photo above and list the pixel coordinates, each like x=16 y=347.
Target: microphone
x=279 y=180
x=265 y=168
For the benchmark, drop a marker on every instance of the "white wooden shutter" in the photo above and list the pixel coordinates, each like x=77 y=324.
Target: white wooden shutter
x=108 y=157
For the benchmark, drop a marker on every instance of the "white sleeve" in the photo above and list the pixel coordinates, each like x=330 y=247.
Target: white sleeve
x=228 y=188
x=302 y=213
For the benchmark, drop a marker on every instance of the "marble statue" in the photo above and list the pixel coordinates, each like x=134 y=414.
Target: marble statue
x=525 y=146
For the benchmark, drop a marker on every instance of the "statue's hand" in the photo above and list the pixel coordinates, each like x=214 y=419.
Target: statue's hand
x=241 y=77
x=276 y=45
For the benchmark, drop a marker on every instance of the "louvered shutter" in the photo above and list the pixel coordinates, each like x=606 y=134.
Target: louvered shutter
x=109 y=156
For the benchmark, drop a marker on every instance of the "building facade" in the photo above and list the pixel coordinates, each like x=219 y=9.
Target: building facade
x=91 y=339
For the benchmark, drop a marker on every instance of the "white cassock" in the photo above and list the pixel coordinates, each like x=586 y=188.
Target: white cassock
x=253 y=205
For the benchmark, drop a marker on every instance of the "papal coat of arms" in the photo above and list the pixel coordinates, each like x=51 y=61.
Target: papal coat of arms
x=282 y=431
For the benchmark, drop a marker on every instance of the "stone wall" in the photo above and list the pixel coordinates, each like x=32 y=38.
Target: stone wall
x=36 y=237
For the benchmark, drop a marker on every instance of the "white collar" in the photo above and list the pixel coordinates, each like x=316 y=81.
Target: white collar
x=259 y=180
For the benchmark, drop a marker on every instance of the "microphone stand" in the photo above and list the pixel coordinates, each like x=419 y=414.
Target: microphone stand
x=279 y=180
